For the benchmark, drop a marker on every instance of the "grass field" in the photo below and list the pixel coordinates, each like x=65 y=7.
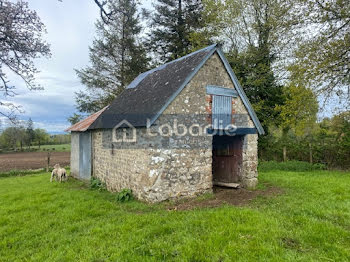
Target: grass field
x=309 y=221
x=58 y=148
x=52 y=148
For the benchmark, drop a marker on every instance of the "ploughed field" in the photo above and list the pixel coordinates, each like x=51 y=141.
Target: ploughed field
x=292 y=216
x=31 y=160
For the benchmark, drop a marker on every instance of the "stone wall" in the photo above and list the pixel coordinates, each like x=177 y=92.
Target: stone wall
x=160 y=168
x=119 y=168
x=250 y=161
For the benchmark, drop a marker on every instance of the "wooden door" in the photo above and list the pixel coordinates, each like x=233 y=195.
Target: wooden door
x=227 y=158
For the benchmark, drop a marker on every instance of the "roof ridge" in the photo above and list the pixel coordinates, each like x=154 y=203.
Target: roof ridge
x=143 y=75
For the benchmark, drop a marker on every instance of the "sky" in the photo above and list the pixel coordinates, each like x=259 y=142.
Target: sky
x=70 y=26
x=70 y=31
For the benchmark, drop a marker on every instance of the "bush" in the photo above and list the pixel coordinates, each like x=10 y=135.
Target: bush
x=96 y=183
x=125 y=195
x=298 y=166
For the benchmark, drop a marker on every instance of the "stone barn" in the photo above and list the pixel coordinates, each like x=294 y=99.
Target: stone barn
x=175 y=131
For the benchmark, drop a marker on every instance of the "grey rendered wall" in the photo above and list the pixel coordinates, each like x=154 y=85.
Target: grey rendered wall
x=85 y=155
x=74 y=154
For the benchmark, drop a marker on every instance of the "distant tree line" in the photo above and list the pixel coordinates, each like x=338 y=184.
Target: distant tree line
x=24 y=137
x=326 y=142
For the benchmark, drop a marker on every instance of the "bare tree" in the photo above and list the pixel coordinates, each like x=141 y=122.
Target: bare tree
x=20 y=43
x=106 y=13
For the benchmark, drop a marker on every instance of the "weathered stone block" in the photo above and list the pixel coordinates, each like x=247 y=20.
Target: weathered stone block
x=250 y=183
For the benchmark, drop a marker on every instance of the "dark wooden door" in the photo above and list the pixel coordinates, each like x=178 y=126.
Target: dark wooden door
x=227 y=158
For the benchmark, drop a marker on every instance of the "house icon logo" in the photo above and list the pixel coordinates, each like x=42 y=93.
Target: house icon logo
x=124 y=132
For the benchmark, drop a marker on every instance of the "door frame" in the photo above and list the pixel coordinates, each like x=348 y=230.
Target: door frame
x=227 y=158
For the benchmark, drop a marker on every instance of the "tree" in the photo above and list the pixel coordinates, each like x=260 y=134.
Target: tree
x=323 y=57
x=30 y=132
x=293 y=115
x=12 y=136
x=75 y=118
x=341 y=127
x=116 y=57
x=173 y=24
x=253 y=69
x=9 y=138
x=300 y=119
x=20 y=43
x=22 y=136
x=106 y=13
x=40 y=136
x=254 y=39
x=254 y=35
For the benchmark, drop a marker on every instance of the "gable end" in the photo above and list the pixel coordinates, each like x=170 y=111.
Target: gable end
x=188 y=79
x=235 y=81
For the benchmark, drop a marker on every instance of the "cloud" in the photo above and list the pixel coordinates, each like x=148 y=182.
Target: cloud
x=70 y=31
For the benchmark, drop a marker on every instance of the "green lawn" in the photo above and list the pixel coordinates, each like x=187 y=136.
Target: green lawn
x=42 y=221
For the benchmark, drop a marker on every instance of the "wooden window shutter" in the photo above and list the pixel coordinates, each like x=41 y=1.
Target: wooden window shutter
x=221 y=111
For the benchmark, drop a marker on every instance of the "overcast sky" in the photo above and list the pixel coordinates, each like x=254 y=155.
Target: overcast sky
x=70 y=30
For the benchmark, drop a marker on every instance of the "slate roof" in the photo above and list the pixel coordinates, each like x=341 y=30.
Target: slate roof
x=149 y=94
x=145 y=96
x=84 y=124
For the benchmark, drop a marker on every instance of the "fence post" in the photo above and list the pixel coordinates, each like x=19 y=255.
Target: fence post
x=310 y=153
x=48 y=161
x=284 y=154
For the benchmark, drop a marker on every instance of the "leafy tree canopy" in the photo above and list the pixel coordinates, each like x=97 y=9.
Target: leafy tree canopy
x=323 y=55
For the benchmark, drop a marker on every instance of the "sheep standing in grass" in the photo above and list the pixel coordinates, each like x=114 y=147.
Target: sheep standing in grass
x=58 y=173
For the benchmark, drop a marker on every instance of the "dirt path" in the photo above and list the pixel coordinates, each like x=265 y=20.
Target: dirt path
x=31 y=160
x=222 y=195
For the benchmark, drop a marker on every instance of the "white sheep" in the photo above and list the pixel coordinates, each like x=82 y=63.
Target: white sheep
x=58 y=173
